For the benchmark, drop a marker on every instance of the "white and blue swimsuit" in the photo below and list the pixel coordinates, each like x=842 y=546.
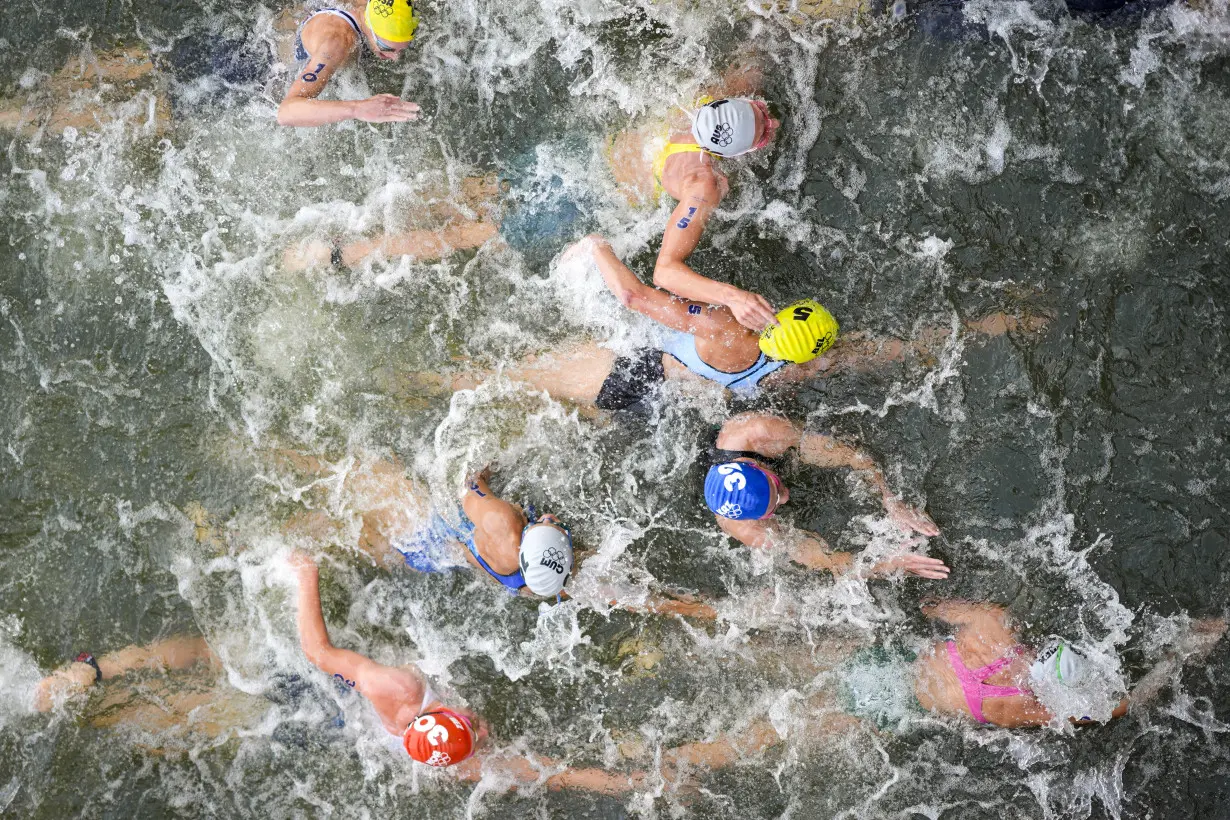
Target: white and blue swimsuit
x=633 y=377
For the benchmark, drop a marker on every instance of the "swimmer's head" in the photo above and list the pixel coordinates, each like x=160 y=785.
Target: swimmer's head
x=1062 y=662
x=733 y=126
x=806 y=330
x=545 y=555
x=440 y=737
x=744 y=490
x=393 y=24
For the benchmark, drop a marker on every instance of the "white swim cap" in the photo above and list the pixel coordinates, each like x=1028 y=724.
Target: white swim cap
x=546 y=558
x=1062 y=662
x=726 y=127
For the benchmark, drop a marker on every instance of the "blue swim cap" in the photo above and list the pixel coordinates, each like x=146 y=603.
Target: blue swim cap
x=737 y=489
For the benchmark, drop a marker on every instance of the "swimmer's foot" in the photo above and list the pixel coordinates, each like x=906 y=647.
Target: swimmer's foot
x=997 y=324
x=417 y=386
x=1202 y=637
x=312 y=253
x=582 y=250
x=205 y=529
x=639 y=656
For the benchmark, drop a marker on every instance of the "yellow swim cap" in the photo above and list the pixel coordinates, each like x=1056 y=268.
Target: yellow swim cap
x=806 y=331
x=392 y=21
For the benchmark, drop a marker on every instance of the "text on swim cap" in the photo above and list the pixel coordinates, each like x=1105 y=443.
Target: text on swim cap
x=735 y=479
x=436 y=734
x=553 y=559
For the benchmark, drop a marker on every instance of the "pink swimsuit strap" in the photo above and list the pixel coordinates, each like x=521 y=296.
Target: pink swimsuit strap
x=972 y=685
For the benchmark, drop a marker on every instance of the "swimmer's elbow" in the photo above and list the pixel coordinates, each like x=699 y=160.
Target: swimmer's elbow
x=289 y=113
x=664 y=273
x=320 y=653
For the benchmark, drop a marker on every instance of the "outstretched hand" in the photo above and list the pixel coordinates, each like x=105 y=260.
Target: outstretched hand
x=386 y=108
x=301 y=562
x=583 y=248
x=924 y=566
x=910 y=518
x=752 y=310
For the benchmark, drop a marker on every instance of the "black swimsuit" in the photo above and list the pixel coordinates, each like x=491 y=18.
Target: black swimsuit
x=632 y=378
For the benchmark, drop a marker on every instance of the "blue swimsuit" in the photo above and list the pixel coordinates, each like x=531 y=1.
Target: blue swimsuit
x=634 y=377
x=682 y=346
x=427 y=548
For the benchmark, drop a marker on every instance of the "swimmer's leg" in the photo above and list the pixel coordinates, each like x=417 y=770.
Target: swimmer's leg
x=166 y=655
x=860 y=351
x=420 y=245
x=69 y=98
x=574 y=374
x=387 y=502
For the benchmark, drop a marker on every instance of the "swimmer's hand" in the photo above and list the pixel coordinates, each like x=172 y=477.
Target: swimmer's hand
x=924 y=566
x=583 y=248
x=386 y=108
x=909 y=518
x=301 y=562
x=752 y=310
x=62 y=684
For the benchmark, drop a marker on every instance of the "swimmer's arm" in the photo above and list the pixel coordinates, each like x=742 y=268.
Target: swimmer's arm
x=720 y=753
x=1197 y=643
x=476 y=484
x=823 y=450
x=480 y=499
x=301 y=108
x=805 y=548
x=680 y=239
x=530 y=770
x=770 y=436
x=357 y=671
x=634 y=294
x=687 y=606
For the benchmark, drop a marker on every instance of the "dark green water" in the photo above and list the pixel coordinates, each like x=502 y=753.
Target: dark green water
x=154 y=354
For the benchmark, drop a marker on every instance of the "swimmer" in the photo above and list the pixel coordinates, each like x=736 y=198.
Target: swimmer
x=886 y=686
x=328 y=40
x=744 y=492
x=526 y=553
x=706 y=343
x=986 y=674
x=539 y=211
x=176 y=691
x=414 y=717
x=686 y=168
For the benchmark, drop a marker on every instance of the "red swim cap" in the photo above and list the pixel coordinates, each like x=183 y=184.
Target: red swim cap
x=439 y=738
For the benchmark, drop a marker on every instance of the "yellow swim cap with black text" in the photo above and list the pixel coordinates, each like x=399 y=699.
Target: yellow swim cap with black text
x=392 y=21
x=806 y=331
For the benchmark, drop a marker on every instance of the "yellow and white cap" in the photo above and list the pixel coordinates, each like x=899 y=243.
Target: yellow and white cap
x=392 y=21
x=806 y=331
